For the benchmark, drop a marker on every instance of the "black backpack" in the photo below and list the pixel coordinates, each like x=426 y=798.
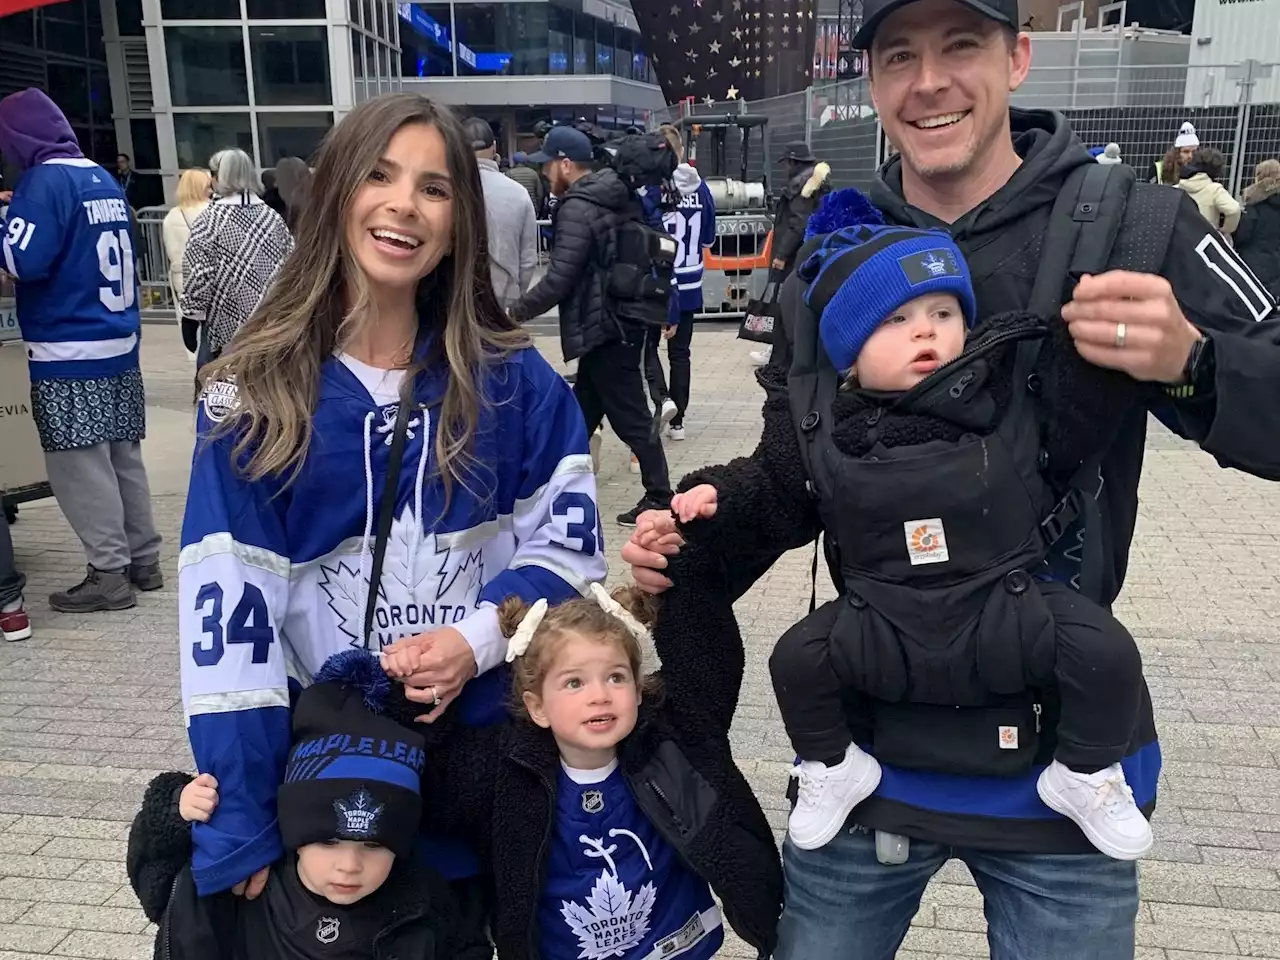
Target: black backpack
x=644 y=160
x=641 y=271
x=1102 y=220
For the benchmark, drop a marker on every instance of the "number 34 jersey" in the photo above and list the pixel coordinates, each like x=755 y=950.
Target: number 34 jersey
x=67 y=239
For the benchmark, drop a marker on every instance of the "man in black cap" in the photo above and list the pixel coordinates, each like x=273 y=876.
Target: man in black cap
x=1197 y=340
x=610 y=353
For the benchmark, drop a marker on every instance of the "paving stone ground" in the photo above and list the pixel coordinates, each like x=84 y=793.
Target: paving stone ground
x=89 y=707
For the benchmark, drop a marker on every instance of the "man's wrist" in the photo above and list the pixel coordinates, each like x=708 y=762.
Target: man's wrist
x=1198 y=373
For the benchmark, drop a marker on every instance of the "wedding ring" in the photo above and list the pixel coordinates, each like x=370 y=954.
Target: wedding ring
x=435 y=697
x=1121 y=330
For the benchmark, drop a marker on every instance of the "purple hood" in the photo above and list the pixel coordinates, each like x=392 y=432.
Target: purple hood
x=33 y=130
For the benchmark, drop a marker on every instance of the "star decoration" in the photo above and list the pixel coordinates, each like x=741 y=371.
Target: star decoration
x=671 y=35
x=737 y=5
x=786 y=28
x=733 y=93
x=675 y=10
x=769 y=58
x=712 y=73
x=688 y=80
x=715 y=46
x=709 y=100
x=735 y=63
x=736 y=34
x=717 y=17
x=694 y=28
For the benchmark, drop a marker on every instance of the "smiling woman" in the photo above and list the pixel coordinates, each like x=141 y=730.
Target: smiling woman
x=383 y=459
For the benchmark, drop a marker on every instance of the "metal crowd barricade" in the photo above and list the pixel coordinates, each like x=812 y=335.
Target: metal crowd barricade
x=153 y=264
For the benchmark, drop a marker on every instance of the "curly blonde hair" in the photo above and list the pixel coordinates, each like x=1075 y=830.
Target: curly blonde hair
x=580 y=617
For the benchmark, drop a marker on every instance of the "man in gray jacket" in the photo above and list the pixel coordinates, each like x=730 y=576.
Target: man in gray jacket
x=513 y=230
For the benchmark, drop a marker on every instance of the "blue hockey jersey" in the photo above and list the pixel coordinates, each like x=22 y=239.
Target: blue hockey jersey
x=68 y=241
x=273 y=579
x=614 y=887
x=693 y=224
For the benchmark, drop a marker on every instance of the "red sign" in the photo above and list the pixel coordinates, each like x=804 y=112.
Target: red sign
x=17 y=6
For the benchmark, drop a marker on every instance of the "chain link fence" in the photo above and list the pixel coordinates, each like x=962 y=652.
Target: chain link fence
x=1234 y=107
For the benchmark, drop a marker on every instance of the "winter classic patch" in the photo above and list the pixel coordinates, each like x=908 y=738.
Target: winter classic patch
x=220 y=397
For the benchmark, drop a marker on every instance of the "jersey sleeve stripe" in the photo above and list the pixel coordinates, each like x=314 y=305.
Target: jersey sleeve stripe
x=216 y=544
x=574 y=578
x=576 y=464
x=81 y=349
x=203 y=704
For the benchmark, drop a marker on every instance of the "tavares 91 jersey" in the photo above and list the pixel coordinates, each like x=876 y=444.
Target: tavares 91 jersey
x=67 y=239
x=273 y=578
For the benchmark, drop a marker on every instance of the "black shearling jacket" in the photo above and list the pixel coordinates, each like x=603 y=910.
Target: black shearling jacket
x=419 y=907
x=497 y=785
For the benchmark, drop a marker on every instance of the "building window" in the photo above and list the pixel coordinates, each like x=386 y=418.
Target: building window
x=64 y=29
x=69 y=89
x=129 y=17
x=206 y=66
x=99 y=96
x=559 y=41
x=286 y=9
x=290 y=65
x=200 y=135
x=283 y=135
x=146 y=148
x=425 y=47
x=200 y=9
x=584 y=44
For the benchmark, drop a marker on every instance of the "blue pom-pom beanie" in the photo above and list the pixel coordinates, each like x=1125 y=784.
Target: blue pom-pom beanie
x=862 y=274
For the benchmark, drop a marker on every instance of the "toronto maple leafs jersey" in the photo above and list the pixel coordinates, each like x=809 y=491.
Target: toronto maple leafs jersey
x=614 y=887
x=693 y=224
x=67 y=239
x=273 y=578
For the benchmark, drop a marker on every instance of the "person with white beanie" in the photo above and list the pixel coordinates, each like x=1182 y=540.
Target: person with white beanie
x=1169 y=167
x=1110 y=155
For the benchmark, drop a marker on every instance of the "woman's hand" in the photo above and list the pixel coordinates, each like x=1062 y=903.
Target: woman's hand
x=250 y=889
x=198 y=799
x=654 y=540
x=433 y=667
x=697 y=503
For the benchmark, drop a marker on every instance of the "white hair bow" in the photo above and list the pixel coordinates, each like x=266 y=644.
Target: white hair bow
x=519 y=642
x=612 y=606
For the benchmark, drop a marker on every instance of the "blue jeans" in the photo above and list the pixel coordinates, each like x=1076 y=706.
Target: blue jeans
x=841 y=903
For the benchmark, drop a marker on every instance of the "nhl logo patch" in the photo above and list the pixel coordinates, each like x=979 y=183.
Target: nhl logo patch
x=219 y=399
x=592 y=801
x=327 y=929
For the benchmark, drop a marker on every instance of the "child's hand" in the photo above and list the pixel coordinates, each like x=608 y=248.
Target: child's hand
x=198 y=799
x=402 y=659
x=698 y=503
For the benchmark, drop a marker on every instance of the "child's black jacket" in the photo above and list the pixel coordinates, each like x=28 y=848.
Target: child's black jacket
x=498 y=784
x=420 y=918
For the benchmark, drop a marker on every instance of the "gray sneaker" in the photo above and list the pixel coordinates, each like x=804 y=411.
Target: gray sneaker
x=100 y=590
x=146 y=576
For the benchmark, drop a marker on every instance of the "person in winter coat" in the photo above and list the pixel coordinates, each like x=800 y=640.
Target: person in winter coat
x=1258 y=236
x=1196 y=342
x=348 y=808
x=924 y=625
x=382 y=458
x=235 y=248
x=293 y=178
x=69 y=242
x=512 y=226
x=1200 y=181
x=612 y=808
x=609 y=380
x=271 y=193
x=194 y=190
x=530 y=177
x=1169 y=167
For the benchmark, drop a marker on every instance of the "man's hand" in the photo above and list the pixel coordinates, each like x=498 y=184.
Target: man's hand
x=1157 y=337
x=198 y=799
x=6 y=196
x=779 y=264
x=669 y=332
x=654 y=540
x=252 y=888
x=433 y=666
x=698 y=503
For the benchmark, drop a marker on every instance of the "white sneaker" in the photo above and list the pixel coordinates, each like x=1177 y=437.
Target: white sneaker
x=1101 y=804
x=761 y=357
x=593 y=444
x=669 y=411
x=675 y=433
x=828 y=795
x=635 y=464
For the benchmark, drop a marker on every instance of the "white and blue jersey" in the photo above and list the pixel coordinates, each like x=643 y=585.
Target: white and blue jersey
x=693 y=224
x=614 y=887
x=68 y=241
x=273 y=578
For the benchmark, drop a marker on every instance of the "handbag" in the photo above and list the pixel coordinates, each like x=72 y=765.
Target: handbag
x=762 y=314
x=386 y=512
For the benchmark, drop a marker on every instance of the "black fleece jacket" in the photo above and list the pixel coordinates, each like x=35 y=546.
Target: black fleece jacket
x=419 y=906
x=497 y=785
x=583 y=223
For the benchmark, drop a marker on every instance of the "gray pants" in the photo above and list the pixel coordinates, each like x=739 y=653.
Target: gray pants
x=104 y=495
x=11 y=581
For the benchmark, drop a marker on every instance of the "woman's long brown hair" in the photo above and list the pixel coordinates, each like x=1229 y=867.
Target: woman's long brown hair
x=304 y=318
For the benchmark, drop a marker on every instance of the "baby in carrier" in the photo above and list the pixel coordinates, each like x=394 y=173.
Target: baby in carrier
x=933 y=460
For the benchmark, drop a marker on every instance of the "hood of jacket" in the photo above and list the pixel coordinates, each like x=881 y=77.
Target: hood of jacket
x=33 y=130
x=601 y=187
x=800 y=174
x=1196 y=182
x=687 y=179
x=1049 y=151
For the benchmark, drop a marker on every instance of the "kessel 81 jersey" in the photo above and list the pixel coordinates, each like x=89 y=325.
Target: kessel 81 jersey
x=273 y=578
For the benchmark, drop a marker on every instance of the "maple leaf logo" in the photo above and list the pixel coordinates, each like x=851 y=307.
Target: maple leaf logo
x=408 y=567
x=612 y=922
x=472 y=564
x=341 y=585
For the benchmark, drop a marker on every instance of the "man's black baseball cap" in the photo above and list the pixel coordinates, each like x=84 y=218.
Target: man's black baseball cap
x=874 y=12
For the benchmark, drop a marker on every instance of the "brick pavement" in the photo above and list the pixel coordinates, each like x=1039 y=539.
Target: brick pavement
x=89 y=708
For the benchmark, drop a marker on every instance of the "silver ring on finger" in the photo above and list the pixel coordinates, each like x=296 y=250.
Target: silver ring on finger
x=1121 y=332
x=435 y=697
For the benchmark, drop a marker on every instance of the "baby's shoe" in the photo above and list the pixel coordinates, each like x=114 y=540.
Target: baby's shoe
x=827 y=795
x=1101 y=804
